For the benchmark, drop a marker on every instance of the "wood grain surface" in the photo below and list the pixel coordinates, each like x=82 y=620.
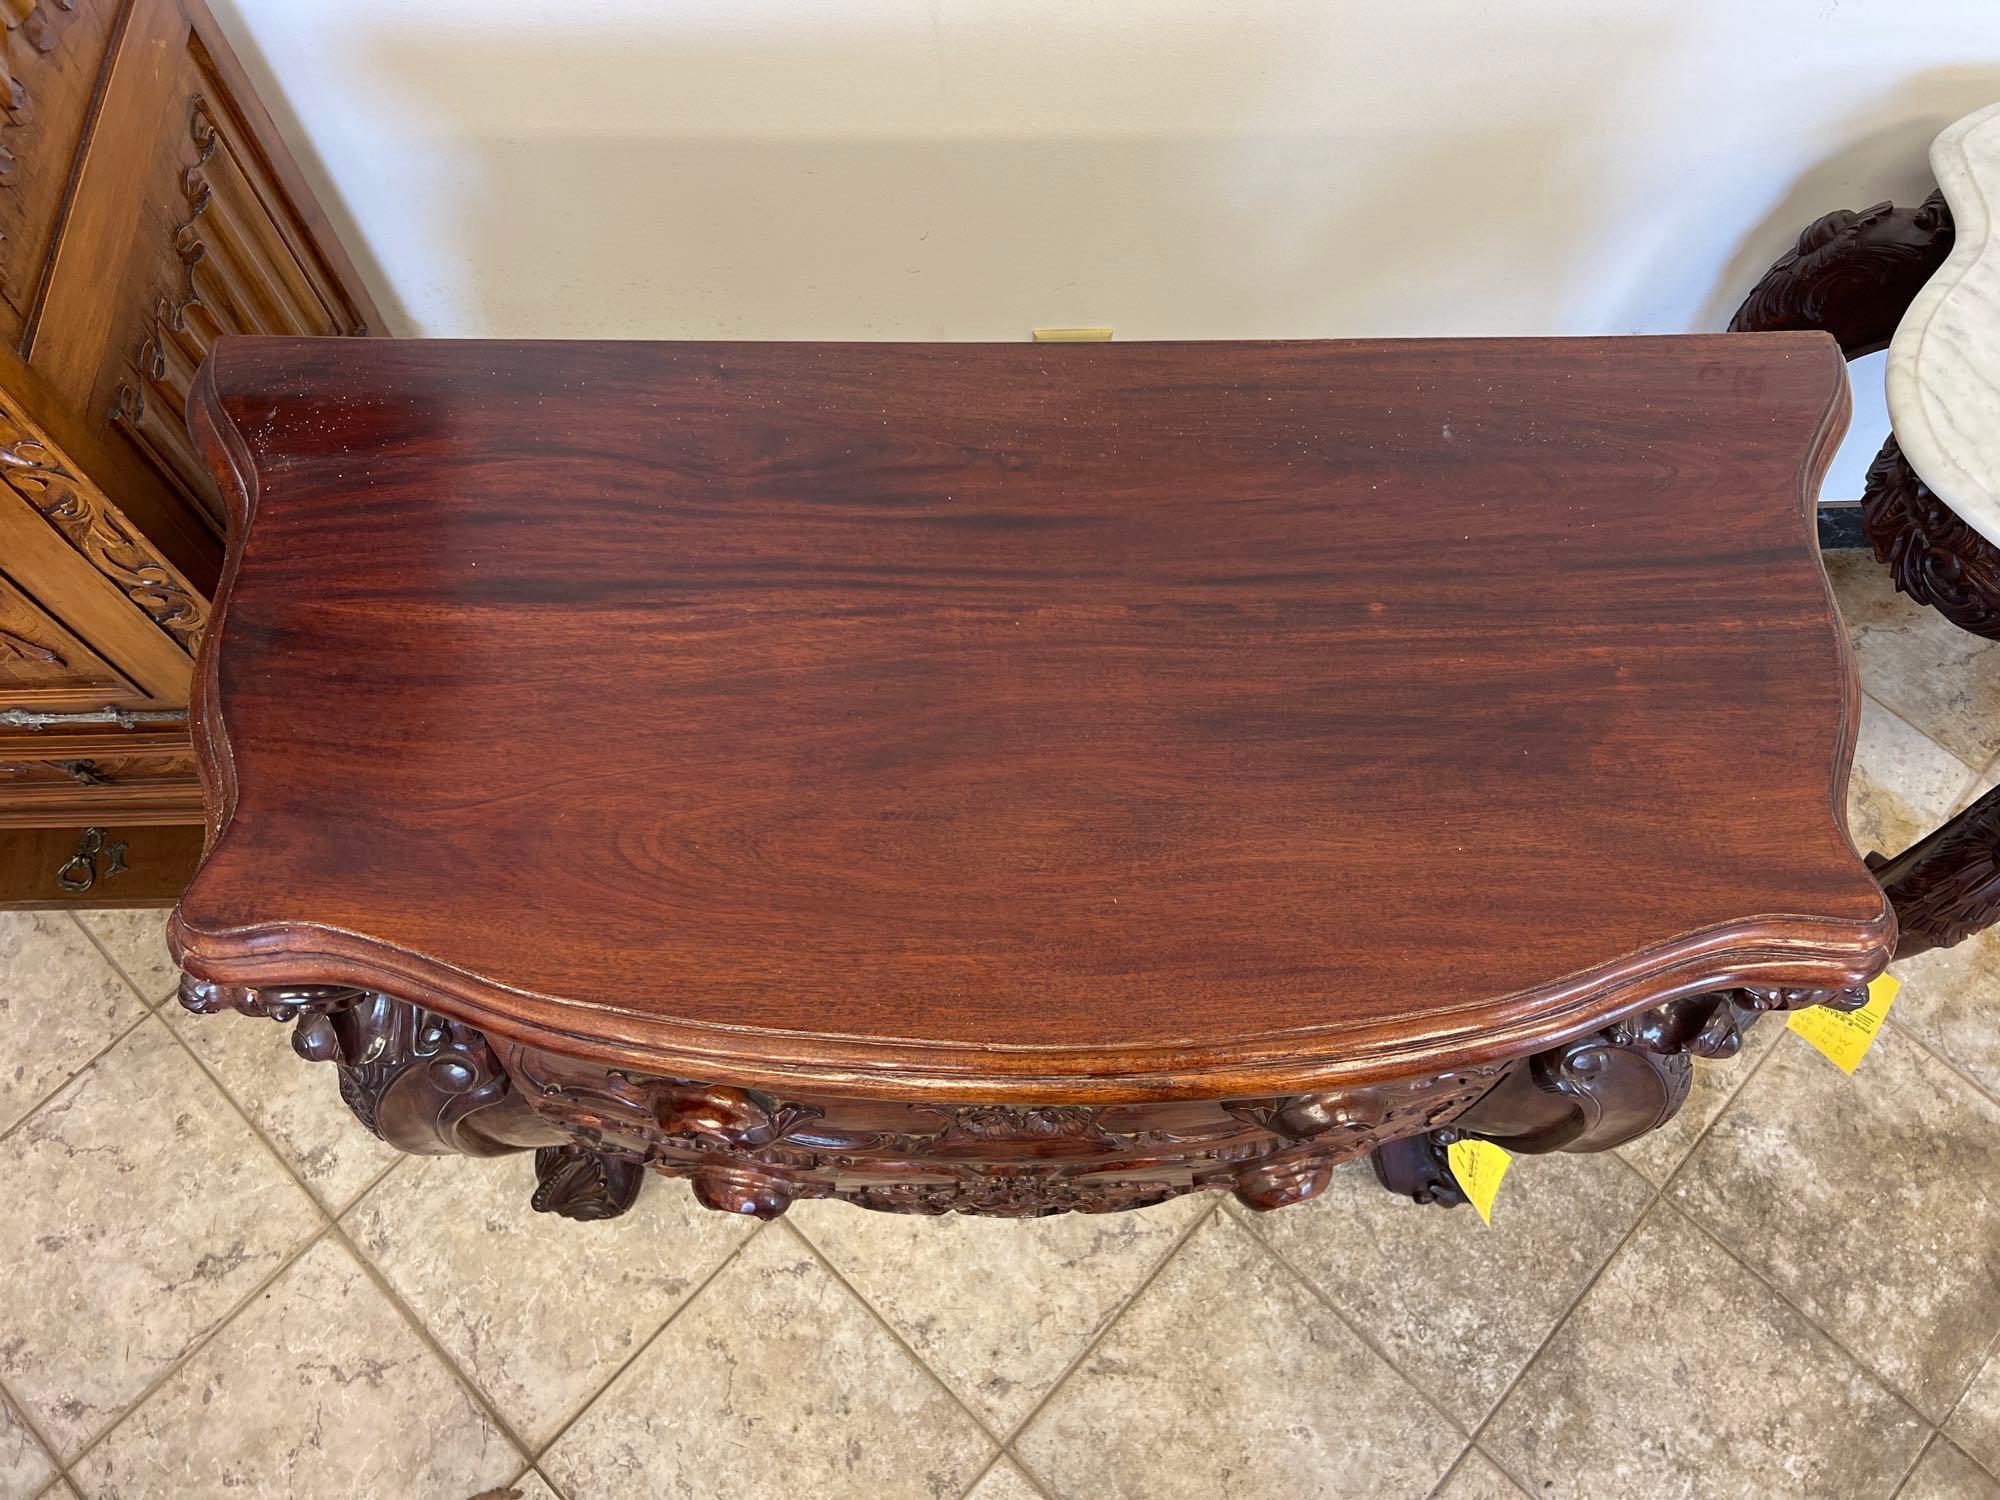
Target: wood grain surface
x=1028 y=722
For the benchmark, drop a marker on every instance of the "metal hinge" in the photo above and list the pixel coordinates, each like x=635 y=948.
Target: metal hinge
x=124 y=718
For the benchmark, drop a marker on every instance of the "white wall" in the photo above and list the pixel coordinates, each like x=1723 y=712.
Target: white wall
x=970 y=169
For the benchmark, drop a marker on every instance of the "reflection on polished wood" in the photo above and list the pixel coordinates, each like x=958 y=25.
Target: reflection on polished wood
x=1015 y=779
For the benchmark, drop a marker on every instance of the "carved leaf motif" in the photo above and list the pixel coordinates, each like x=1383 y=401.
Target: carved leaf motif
x=100 y=534
x=18 y=648
x=1852 y=274
x=1947 y=886
x=1931 y=554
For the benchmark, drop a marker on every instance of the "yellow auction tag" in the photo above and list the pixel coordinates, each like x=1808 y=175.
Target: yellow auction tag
x=1846 y=1036
x=1479 y=1166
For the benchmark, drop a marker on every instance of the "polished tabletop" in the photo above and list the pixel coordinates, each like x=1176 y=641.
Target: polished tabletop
x=1029 y=720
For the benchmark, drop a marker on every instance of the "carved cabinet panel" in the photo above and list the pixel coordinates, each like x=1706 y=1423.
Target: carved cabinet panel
x=41 y=661
x=147 y=207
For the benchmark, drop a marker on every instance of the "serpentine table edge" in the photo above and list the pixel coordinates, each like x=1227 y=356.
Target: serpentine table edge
x=436 y=1059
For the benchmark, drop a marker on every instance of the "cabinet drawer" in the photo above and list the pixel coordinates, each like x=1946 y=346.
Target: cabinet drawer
x=155 y=788
x=98 y=865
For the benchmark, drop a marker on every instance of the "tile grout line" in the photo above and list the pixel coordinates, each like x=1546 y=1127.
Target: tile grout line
x=62 y=1470
x=35 y=1431
x=1992 y=1353
x=1923 y=1451
x=244 y=1114
x=1866 y=1367
x=1659 y=1196
x=354 y=1201
x=195 y=1347
x=583 y=1408
x=1974 y=773
x=1349 y=1324
x=1003 y=1441
x=429 y=1340
x=1116 y=1316
x=112 y=959
x=1812 y=1321
x=332 y=1226
x=980 y=1478
x=92 y=1061
x=1458 y=1463
x=901 y=1343
x=1947 y=1063
x=1479 y=1430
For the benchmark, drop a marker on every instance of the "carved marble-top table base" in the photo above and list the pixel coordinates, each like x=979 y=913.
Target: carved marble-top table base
x=1923 y=282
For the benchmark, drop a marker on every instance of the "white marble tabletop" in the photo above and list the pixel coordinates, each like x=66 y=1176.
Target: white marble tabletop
x=1944 y=362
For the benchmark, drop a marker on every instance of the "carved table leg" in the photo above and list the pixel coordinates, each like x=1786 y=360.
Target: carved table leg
x=1852 y=275
x=1946 y=886
x=583 y=1184
x=424 y=1083
x=1931 y=554
x=1597 y=1092
x=1415 y=1168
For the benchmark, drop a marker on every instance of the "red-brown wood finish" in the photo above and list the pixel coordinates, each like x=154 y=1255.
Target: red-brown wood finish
x=1017 y=723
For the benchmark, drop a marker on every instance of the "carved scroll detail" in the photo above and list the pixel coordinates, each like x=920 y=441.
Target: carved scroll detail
x=149 y=361
x=1946 y=886
x=746 y=1151
x=1598 y=1091
x=423 y=1082
x=1852 y=274
x=582 y=1184
x=85 y=520
x=1932 y=555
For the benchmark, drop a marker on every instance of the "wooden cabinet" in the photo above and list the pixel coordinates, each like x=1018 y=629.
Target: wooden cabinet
x=147 y=206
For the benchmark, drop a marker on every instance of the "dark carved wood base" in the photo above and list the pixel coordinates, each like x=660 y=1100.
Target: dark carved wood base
x=427 y=1083
x=1415 y=1167
x=579 y=1183
x=1854 y=275
x=1597 y=1092
x=1946 y=886
x=1931 y=554
x=1851 y=274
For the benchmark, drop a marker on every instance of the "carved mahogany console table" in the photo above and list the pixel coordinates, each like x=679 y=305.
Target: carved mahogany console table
x=1008 y=779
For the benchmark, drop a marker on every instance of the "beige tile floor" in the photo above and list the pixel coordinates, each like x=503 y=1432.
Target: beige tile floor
x=213 y=1283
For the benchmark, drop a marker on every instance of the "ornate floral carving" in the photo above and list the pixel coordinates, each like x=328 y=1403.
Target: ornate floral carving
x=1349 y=1121
x=128 y=403
x=1001 y=1122
x=1852 y=274
x=1595 y=1092
x=423 y=1082
x=664 y=1110
x=582 y=1184
x=1932 y=555
x=89 y=524
x=749 y=1152
x=1021 y=1194
x=1946 y=886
